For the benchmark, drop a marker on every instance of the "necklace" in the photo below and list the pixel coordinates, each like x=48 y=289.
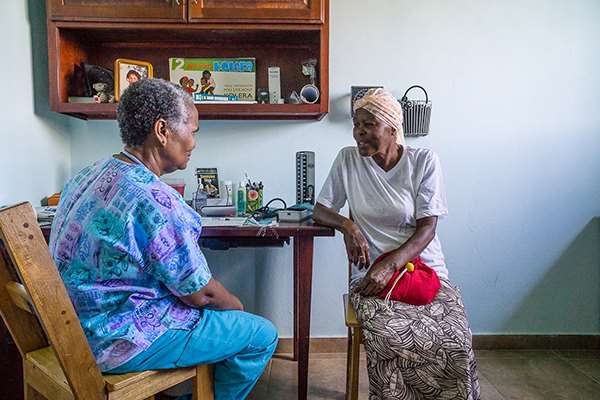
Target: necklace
x=135 y=159
x=131 y=157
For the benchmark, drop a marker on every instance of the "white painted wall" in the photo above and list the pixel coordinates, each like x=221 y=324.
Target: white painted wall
x=34 y=148
x=515 y=88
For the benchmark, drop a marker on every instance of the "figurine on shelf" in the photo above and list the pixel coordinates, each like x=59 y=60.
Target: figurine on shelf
x=104 y=93
x=80 y=82
x=294 y=98
x=310 y=93
x=309 y=69
x=262 y=96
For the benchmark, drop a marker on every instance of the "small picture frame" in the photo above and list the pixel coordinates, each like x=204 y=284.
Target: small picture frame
x=129 y=71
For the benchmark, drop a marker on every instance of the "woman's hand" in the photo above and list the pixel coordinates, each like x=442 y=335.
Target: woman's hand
x=377 y=278
x=380 y=274
x=357 y=247
x=234 y=303
x=215 y=296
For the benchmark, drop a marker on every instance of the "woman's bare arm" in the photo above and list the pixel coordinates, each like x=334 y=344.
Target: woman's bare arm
x=381 y=272
x=213 y=295
x=357 y=247
x=326 y=216
x=424 y=234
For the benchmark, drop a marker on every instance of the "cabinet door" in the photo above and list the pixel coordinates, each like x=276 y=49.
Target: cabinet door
x=305 y=10
x=118 y=10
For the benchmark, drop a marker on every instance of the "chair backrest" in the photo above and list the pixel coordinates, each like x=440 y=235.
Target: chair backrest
x=29 y=281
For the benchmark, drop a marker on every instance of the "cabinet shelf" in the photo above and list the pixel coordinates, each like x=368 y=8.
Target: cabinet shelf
x=209 y=111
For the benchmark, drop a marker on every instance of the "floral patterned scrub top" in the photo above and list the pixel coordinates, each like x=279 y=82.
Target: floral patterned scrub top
x=126 y=246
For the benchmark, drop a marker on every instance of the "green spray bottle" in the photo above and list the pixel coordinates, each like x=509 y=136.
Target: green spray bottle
x=241 y=199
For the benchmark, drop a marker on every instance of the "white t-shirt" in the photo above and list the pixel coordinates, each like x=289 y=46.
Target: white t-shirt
x=387 y=205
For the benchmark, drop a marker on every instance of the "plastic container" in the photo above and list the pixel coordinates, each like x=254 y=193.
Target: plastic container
x=228 y=186
x=200 y=199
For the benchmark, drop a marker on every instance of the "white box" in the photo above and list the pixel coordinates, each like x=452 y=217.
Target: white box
x=274 y=85
x=292 y=215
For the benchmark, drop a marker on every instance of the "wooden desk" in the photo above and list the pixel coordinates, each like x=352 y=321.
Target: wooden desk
x=302 y=235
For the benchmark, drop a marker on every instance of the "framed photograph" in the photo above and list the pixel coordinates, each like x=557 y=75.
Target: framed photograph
x=128 y=72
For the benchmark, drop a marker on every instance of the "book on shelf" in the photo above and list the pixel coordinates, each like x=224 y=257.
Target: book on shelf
x=224 y=102
x=221 y=98
x=201 y=98
x=215 y=79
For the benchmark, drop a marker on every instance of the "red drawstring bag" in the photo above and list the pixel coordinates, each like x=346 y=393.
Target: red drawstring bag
x=417 y=287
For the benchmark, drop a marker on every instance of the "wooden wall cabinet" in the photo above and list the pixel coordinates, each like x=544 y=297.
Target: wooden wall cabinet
x=276 y=32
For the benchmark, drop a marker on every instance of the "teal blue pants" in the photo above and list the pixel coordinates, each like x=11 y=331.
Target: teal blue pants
x=239 y=345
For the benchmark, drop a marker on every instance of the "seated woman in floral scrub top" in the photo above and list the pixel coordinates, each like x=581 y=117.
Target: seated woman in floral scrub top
x=126 y=246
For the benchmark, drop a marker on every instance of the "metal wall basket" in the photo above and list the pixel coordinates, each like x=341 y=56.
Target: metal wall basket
x=417 y=114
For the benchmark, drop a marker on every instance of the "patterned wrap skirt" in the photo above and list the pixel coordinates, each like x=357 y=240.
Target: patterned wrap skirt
x=418 y=352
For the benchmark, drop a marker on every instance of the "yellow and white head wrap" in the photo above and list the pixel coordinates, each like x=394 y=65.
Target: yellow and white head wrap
x=385 y=106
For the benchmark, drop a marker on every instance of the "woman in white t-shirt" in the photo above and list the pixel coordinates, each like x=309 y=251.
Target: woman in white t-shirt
x=395 y=194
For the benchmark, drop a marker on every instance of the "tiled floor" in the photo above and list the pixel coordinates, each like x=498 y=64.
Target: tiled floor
x=504 y=375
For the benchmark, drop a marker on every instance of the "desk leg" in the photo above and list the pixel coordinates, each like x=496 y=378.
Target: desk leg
x=303 y=264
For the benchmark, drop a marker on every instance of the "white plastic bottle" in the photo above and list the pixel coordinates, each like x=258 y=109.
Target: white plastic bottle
x=228 y=185
x=200 y=199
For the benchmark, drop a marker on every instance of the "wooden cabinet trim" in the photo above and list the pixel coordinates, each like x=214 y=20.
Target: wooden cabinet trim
x=313 y=13
x=58 y=11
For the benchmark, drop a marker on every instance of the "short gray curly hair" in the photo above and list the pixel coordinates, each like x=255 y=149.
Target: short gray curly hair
x=146 y=101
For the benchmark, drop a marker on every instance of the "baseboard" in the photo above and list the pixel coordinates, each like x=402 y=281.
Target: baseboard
x=480 y=342
x=317 y=345
x=536 y=342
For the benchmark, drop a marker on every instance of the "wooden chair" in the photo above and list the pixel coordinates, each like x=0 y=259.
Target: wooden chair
x=58 y=363
x=355 y=337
